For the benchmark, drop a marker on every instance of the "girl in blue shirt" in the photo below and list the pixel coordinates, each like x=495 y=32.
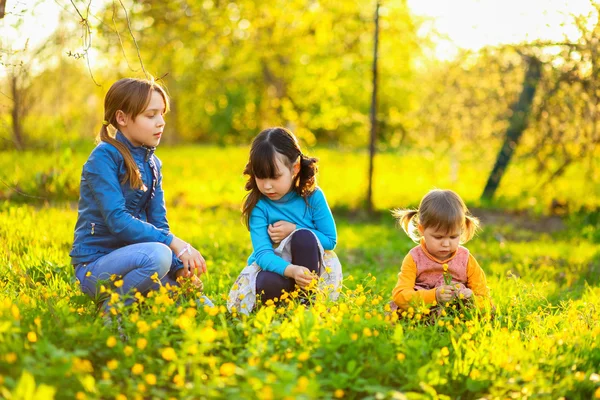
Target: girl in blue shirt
x=291 y=226
x=121 y=228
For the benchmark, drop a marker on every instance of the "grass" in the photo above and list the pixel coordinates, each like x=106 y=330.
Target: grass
x=544 y=341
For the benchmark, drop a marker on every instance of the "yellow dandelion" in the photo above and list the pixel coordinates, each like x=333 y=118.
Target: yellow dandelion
x=208 y=334
x=150 y=379
x=445 y=352
x=111 y=341
x=121 y=397
x=141 y=343
x=88 y=274
x=137 y=369
x=15 y=312
x=143 y=327
x=227 y=369
x=338 y=394
x=474 y=374
x=400 y=356
x=169 y=354
x=354 y=336
x=11 y=357
x=178 y=380
x=303 y=356
x=597 y=393
x=367 y=332
x=445 y=266
x=112 y=364
x=32 y=337
x=119 y=283
x=128 y=350
x=80 y=396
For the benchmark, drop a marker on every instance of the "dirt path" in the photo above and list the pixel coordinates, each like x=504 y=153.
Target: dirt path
x=519 y=219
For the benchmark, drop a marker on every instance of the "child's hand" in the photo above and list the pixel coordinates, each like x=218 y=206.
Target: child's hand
x=193 y=262
x=280 y=230
x=445 y=294
x=193 y=278
x=465 y=293
x=302 y=275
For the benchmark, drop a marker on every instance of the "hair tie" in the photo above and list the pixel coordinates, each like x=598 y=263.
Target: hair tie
x=105 y=123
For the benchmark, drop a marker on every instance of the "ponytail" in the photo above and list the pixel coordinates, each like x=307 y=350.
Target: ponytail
x=306 y=179
x=471 y=227
x=408 y=220
x=132 y=173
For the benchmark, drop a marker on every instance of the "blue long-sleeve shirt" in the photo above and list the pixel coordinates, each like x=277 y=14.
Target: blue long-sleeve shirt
x=292 y=208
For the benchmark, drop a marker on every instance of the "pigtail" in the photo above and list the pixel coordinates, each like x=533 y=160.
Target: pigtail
x=408 y=220
x=306 y=179
x=472 y=225
x=251 y=198
x=132 y=173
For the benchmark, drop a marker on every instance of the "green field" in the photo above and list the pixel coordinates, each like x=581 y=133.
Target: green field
x=544 y=341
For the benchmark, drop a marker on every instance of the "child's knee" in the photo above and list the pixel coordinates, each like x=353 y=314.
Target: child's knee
x=162 y=257
x=304 y=240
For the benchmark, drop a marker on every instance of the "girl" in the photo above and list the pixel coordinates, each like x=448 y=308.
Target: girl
x=122 y=229
x=291 y=226
x=439 y=270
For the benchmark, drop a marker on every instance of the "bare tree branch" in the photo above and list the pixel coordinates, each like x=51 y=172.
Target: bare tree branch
x=120 y=40
x=133 y=37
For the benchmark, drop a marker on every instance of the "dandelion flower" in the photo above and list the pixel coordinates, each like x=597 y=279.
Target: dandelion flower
x=111 y=341
x=150 y=379
x=141 y=343
x=137 y=369
x=169 y=354
x=227 y=369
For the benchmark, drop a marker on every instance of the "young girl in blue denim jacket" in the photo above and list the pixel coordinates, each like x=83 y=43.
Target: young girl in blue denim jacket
x=291 y=226
x=121 y=227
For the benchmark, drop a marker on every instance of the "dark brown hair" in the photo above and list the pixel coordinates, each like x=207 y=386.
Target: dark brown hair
x=262 y=165
x=131 y=96
x=439 y=209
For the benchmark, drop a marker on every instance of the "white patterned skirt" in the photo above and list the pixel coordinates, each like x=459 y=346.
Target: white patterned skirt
x=242 y=296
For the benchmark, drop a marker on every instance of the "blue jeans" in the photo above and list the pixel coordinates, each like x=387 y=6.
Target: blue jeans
x=134 y=264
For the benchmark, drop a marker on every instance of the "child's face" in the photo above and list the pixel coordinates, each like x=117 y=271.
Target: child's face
x=146 y=128
x=277 y=187
x=439 y=243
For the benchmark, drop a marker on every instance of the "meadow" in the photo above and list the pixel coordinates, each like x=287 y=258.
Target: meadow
x=543 y=342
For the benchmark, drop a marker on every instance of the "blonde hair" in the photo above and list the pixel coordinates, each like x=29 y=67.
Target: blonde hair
x=439 y=209
x=130 y=96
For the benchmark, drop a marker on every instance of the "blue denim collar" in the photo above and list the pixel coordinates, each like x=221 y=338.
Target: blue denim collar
x=142 y=151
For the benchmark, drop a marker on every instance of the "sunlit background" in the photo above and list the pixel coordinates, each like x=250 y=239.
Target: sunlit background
x=449 y=76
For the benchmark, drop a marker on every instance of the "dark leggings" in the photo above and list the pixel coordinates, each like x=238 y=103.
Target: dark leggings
x=305 y=252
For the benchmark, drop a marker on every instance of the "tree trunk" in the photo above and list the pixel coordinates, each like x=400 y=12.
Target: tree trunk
x=373 y=140
x=518 y=123
x=16 y=113
x=2 y=8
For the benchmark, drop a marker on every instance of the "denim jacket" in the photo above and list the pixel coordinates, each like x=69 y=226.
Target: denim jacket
x=112 y=215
